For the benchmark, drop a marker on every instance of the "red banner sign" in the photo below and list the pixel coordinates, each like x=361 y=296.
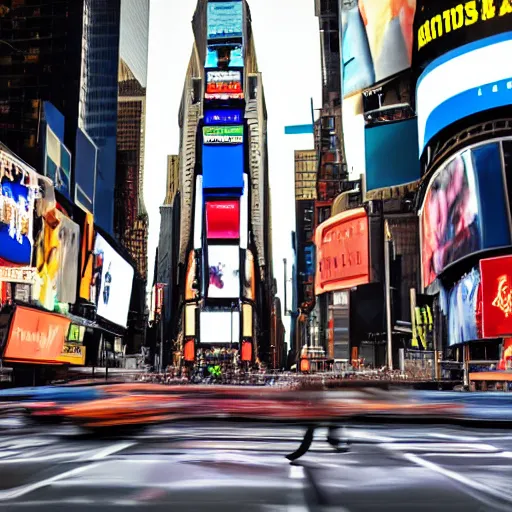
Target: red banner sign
x=496 y=282
x=342 y=252
x=223 y=219
x=36 y=336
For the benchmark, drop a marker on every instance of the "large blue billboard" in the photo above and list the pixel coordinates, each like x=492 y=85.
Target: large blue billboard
x=225 y=20
x=223 y=167
x=391 y=154
x=86 y=155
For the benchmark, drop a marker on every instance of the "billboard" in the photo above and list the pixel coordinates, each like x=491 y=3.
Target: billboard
x=219 y=117
x=57 y=163
x=376 y=41
x=225 y=20
x=463 y=309
x=223 y=134
x=249 y=276
x=223 y=219
x=219 y=327
x=496 y=296
x=343 y=259
x=111 y=285
x=18 y=187
x=476 y=77
x=444 y=25
x=223 y=167
x=86 y=257
x=223 y=56
x=465 y=209
x=86 y=157
x=391 y=154
x=56 y=251
x=224 y=85
x=352 y=116
x=224 y=264
x=73 y=351
x=36 y=336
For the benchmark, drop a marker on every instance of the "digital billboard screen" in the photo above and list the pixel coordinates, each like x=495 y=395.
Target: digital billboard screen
x=224 y=85
x=465 y=209
x=476 y=77
x=223 y=134
x=463 y=307
x=223 y=219
x=224 y=264
x=86 y=156
x=223 y=167
x=219 y=117
x=225 y=20
x=377 y=38
x=219 y=327
x=57 y=163
x=112 y=281
x=223 y=56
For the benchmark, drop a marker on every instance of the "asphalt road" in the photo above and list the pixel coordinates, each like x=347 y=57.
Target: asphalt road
x=234 y=467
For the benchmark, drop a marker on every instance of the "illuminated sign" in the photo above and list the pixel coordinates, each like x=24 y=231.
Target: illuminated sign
x=224 y=57
x=18 y=275
x=496 y=277
x=225 y=20
x=342 y=252
x=219 y=117
x=223 y=134
x=223 y=219
x=224 y=85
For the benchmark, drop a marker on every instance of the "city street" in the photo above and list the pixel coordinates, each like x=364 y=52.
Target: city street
x=233 y=466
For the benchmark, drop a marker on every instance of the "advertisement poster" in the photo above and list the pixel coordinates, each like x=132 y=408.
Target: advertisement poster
x=225 y=20
x=376 y=41
x=224 y=56
x=343 y=259
x=56 y=251
x=224 y=85
x=219 y=117
x=496 y=296
x=58 y=163
x=18 y=187
x=223 y=219
x=463 y=306
x=86 y=257
x=224 y=263
x=249 y=277
x=444 y=25
x=36 y=336
x=73 y=351
x=112 y=282
x=223 y=134
x=86 y=156
x=223 y=167
x=219 y=327
x=464 y=210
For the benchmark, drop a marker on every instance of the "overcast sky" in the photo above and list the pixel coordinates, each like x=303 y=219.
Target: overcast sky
x=287 y=46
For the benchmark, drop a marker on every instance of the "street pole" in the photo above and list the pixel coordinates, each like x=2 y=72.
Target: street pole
x=285 y=287
x=387 y=270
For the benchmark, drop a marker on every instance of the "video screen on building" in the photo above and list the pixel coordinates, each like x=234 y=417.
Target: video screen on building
x=224 y=85
x=219 y=327
x=112 y=281
x=225 y=20
x=223 y=167
x=463 y=305
x=223 y=134
x=223 y=219
x=224 y=56
x=86 y=156
x=376 y=41
x=220 y=117
x=224 y=265
x=465 y=209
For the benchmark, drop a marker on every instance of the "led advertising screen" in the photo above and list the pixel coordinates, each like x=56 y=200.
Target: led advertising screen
x=391 y=154
x=496 y=296
x=224 y=264
x=17 y=187
x=343 y=259
x=463 y=308
x=464 y=210
x=224 y=56
x=112 y=280
x=223 y=167
x=57 y=163
x=376 y=41
x=225 y=20
x=223 y=219
x=224 y=85
x=86 y=156
x=219 y=117
x=476 y=77
x=223 y=134
x=221 y=327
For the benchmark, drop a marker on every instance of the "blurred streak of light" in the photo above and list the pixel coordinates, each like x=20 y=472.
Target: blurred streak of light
x=442 y=447
x=453 y=436
x=110 y=450
x=44 y=458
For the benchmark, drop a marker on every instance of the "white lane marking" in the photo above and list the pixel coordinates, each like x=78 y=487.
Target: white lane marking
x=25 y=489
x=297 y=472
x=109 y=450
x=42 y=458
x=472 y=484
x=442 y=447
x=454 y=437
